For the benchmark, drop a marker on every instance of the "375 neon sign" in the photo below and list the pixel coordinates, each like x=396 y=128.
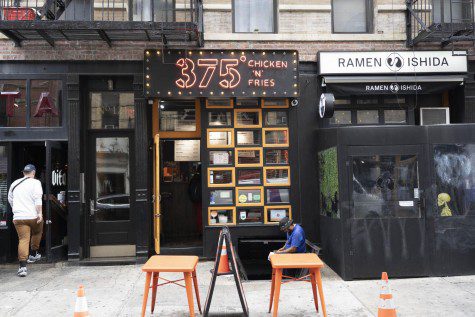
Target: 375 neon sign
x=226 y=73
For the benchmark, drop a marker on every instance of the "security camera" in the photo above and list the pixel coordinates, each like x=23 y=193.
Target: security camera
x=294 y=102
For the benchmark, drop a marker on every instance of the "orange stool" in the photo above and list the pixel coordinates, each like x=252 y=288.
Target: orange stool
x=171 y=263
x=308 y=261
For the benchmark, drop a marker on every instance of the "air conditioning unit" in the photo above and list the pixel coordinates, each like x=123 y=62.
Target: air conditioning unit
x=435 y=115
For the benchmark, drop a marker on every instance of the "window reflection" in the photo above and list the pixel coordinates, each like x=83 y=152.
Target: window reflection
x=13 y=103
x=112 y=110
x=385 y=185
x=455 y=179
x=46 y=103
x=3 y=186
x=177 y=116
x=112 y=179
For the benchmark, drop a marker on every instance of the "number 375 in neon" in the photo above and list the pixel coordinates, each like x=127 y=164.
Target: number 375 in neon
x=229 y=75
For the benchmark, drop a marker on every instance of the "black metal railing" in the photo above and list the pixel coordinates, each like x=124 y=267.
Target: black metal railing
x=444 y=21
x=101 y=10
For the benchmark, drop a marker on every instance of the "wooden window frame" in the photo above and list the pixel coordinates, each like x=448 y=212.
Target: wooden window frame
x=286 y=106
x=233 y=223
x=261 y=203
x=176 y=134
x=240 y=110
x=264 y=144
x=259 y=100
x=229 y=146
x=233 y=177
x=236 y=156
x=230 y=106
x=264 y=176
x=266 y=209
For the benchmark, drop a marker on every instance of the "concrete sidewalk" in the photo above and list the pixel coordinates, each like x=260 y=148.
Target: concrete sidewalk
x=117 y=291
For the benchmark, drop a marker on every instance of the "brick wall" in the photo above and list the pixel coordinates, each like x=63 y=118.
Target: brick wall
x=305 y=25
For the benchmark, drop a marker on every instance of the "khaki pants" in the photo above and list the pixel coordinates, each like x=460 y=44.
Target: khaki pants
x=29 y=233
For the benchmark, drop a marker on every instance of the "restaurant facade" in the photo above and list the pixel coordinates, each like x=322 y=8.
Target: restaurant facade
x=152 y=146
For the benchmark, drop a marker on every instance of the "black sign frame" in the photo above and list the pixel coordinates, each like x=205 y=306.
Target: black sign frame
x=221 y=73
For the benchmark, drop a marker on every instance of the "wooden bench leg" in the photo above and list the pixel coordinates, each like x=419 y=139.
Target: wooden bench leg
x=195 y=282
x=320 y=291
x=154 y=289
x=278 y=282
x=189 y=292
x=145 y=293
x=313 y=280
x=272 y=286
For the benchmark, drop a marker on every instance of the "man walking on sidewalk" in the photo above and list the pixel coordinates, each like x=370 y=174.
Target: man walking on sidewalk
x=25 y=197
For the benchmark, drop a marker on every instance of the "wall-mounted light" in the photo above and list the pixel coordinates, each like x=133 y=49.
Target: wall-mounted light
x=110 y=84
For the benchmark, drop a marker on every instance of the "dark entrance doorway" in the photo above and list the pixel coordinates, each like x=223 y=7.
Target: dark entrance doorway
x=109 y=188
x=50 y=160
x=180 y=191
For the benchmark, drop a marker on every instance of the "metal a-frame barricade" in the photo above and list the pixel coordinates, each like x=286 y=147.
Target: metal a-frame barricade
x=225 y=237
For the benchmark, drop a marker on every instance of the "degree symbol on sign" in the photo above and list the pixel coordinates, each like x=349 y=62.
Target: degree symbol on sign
x=243 y=58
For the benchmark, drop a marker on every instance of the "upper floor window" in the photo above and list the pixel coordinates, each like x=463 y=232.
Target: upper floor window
x=352 y=16
x=254 y=16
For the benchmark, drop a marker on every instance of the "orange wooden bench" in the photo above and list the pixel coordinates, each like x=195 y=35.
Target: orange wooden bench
x=171 y=263
x=308 y=261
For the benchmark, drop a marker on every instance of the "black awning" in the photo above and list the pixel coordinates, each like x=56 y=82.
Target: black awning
x=384 y=85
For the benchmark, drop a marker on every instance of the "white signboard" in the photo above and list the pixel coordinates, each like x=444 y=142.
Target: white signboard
x=400 y=62
x=187 y=150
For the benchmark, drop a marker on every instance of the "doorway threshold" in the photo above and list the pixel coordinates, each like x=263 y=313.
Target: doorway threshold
x=193 y=250
x=106 y=261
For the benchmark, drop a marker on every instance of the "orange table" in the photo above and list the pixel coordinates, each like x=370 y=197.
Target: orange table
x=308 y=261
x=171 y=263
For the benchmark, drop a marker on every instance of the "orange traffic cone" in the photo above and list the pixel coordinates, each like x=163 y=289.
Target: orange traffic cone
x=386 y=306
x=80 y=310
x=223 y=260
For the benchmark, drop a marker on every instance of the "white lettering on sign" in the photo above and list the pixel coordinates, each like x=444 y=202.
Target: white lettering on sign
x=58 y=178
x=392 y=62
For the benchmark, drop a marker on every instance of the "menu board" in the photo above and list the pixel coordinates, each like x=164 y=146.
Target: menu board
x=187 y=150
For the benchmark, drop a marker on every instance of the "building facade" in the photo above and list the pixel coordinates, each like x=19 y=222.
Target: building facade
x=129 y=171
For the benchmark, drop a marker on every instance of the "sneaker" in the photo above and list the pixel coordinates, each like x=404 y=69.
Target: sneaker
x=22 y=271
x=34 y=258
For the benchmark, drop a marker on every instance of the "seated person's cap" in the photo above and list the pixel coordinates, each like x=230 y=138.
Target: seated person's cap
x=285 y=223
x=29 y=168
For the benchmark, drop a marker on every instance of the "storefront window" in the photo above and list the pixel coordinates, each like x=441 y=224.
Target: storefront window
x=328 y=183
x=367 y=116
x=455 y=179
x=177 y=116
x=341 y=117
x=219 y=118
x=245 y=156
x=3 y=186
x=248 y=138
x=221 y=216
x=13 y=106
x=249 y=176
x=276 y=118
x=385 y=186
x=112 y=110
x=46 y=103
x=277 y=157
x=250 y=215
x=221 y=197
x=277 y=195
x=220 y=158
x=395 y=116
x=112 y=179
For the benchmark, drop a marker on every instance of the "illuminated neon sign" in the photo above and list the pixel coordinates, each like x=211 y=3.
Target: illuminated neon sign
x=223 y=73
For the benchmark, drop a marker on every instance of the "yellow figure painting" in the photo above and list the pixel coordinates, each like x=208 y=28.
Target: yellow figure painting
x=442 y=201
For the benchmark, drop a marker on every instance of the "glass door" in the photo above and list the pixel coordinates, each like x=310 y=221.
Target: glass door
x=386 y=210
x=111 y=182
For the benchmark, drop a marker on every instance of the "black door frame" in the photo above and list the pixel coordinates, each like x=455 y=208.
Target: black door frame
x=92 y=135
x=424 y=184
